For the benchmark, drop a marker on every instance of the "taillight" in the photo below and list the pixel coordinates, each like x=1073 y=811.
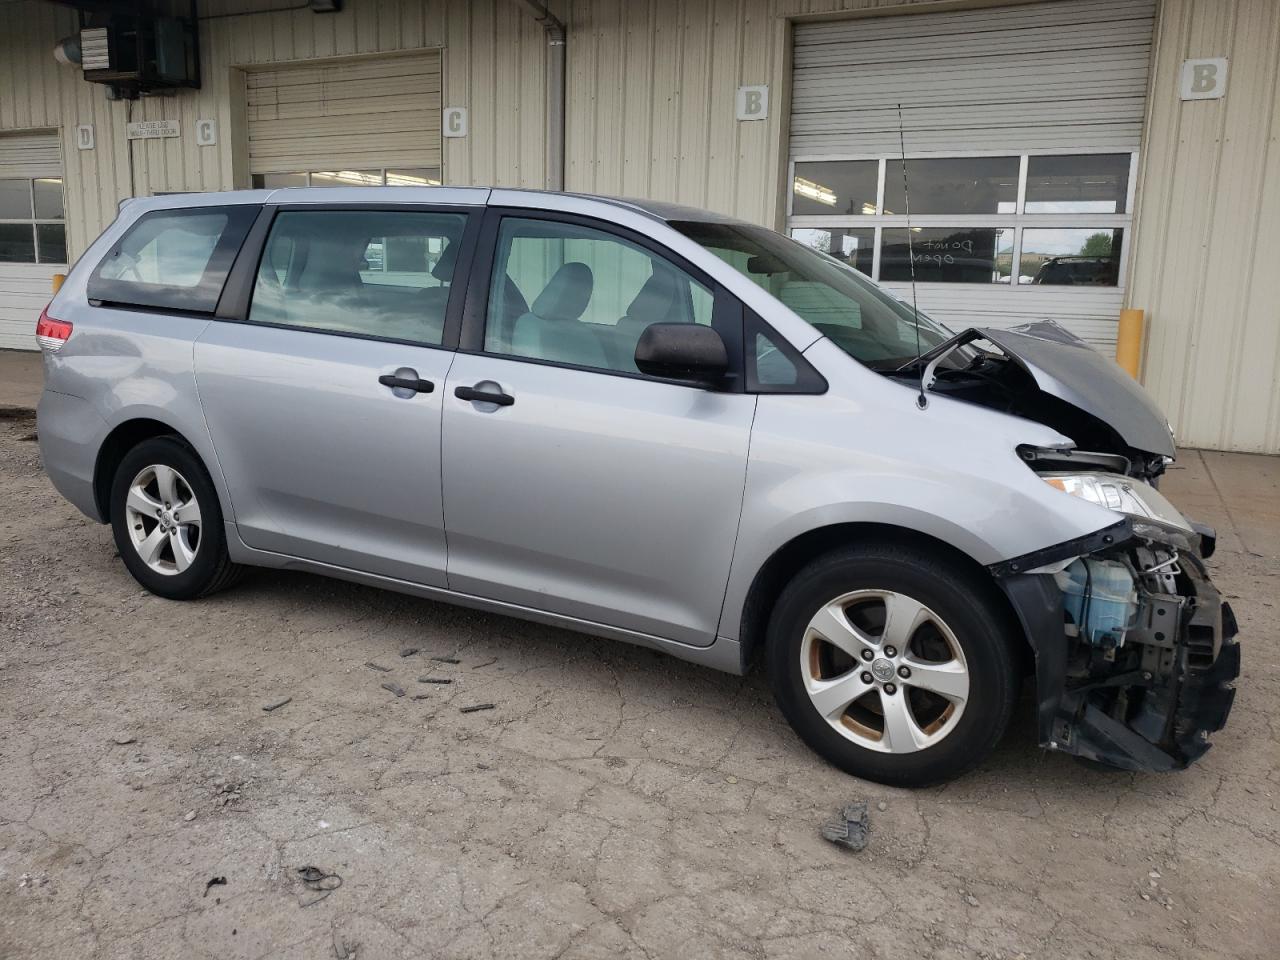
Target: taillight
x=51 y=334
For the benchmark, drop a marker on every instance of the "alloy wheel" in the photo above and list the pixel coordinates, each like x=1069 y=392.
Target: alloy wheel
x=163 y=517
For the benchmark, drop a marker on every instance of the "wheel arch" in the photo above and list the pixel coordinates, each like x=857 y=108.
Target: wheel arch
x=772 y=577
x=122 y=438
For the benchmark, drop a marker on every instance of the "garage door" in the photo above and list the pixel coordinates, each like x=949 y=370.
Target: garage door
x=1021 y=128
x=353 y=123
x=33 y=237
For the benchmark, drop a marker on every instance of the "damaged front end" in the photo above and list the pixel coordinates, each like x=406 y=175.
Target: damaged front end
x=1135 y=650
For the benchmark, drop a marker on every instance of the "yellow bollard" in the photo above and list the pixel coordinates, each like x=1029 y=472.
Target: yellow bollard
x=1129 y=341
x=57 y=281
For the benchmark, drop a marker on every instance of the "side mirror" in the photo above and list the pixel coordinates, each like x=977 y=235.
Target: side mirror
x=682 y=351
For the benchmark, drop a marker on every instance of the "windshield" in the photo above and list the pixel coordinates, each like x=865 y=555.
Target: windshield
x=856 y=315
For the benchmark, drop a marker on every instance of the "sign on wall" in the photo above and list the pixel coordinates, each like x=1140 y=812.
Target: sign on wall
x=206 y=133
x=454 y=122
x=152 y=129
x=753 y=102
x=84 y=136
x=1204 y=79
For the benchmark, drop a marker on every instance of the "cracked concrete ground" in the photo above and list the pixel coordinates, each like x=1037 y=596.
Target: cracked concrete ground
x=615 y=803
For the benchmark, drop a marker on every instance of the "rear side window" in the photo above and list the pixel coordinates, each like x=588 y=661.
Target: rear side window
x=173 y=259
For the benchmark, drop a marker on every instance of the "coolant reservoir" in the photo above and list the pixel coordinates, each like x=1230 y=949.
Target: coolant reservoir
x=1101 y=598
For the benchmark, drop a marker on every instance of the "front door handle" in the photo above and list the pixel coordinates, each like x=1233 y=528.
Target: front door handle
x=406 y=383
x=484 y=396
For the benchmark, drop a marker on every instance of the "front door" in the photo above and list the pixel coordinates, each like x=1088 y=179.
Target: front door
x=324 y=407
x=572 y=483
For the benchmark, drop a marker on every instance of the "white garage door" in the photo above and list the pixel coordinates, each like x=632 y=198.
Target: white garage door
x=1021 y=127
x=33 y=233
x=353 y=123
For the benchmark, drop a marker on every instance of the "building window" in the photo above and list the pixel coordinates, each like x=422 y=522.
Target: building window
x=1021 y=220
x=387 y=177
x=33 y=225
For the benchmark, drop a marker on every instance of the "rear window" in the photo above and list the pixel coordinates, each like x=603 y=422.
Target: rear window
x=173 y=259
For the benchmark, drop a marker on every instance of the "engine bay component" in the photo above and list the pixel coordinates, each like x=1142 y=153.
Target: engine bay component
x=1100 y=598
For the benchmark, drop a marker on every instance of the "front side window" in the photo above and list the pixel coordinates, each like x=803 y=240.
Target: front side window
x=575 y=295
x=372 y=273
x=174 y=259
x=852 y=312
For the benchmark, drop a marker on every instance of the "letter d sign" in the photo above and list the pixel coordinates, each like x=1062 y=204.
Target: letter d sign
x=1204 y=79
x=753 y=103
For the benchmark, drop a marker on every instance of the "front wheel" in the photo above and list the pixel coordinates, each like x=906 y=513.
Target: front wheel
x=168 y=523
x=892 y=664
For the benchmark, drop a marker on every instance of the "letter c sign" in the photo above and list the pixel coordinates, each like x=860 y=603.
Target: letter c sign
x=454 y=122
x=1204 y=79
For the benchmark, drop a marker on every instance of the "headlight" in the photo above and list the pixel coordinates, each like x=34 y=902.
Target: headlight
x=1121 y=494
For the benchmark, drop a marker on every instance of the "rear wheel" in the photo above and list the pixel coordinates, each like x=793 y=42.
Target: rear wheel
x=168 y=523
x=892 y=664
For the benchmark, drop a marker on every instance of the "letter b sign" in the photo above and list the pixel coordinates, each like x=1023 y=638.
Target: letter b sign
x=1204 y=79
x=753 y=103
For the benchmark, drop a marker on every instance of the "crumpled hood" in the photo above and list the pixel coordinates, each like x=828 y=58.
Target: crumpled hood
x=1066 y=367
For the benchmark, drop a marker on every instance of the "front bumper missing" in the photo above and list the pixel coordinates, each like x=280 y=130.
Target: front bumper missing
x=1151 y=703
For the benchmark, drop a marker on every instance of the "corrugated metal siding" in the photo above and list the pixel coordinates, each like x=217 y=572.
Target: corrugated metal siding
x=1208 y=225
x=357 y=114
x=34 y=154
x=1046 y=76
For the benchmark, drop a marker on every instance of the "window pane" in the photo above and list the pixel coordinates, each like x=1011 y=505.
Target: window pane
x=174 y=259
x=15 y=199
x=52 y=238
x=17 y=244
x=1083 y=257
x=277 y=181
x=773 y=367
x=947 y=254
x=49 y=198
x=1082 y=184
x=347 y=178
x=853 y=245
x=424 y=177
x=837 y=187
x=960 y=185
x=580 y=296
x=379 y=274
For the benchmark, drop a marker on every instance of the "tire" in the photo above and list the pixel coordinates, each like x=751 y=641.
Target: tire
x=188 y=550
x=957 y=643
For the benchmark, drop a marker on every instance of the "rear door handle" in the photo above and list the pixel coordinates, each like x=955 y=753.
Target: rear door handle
x=484 y=396
x=406 y=383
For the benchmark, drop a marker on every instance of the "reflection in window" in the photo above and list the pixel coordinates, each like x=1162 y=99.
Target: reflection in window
x=378 y=274
x=953 y=185
x=168 y=249
x=52 y=242
x=15 y=199
x=17 y=243
x=837 y=187
x=854 y=245
x=773 y=367
x=1097 y=183
x=1082 y=257
x=48 y=198
x=947 y=254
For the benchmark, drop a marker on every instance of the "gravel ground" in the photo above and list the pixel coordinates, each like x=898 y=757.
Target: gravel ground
x=613 y=803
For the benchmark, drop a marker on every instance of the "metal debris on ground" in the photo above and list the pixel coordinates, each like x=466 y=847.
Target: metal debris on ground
x=276 y=704
x=377 y=666
x=394 y=688
x=214 y=882
x=446 y=659
x=422 y=696
x=476 y=707
x=409 y=651
x=486 y=663
x=435 y=680
x=851 y=830
x=318 y=881
x=344 y=949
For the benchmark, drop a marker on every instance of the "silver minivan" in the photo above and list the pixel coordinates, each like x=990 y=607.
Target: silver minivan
x=653 y=424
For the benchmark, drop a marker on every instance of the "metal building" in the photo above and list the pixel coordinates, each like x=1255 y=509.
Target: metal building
x=1066 y=158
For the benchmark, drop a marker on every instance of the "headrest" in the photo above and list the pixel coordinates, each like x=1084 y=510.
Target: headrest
x=443 y=270
x=566 y=295
x=654 y=302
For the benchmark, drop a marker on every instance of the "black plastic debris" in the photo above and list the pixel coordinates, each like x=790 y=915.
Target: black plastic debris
x=851 y=830
x=409 y=651
x=491 y=660
x=276 y=704
x=394 y=688
x=422 y=696
x=377 y=666
x=319 y=882
x=475 y=707
x=446 y=659
x=214 y=882
x=435 y=680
